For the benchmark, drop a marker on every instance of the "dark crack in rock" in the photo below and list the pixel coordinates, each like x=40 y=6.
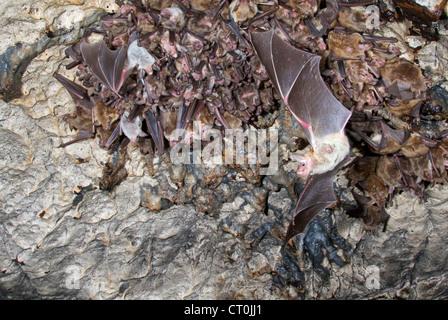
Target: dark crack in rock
x=15 y=60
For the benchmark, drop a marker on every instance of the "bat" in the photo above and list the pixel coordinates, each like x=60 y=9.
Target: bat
x=233 y=27
x=110 y=67
x=83 y=102
x=132 y=128
x=296 y=76
x=371 y=213
x=390 y=140
x=155 y=130
x=78 y=93
x=187 y=113
x=326 y=19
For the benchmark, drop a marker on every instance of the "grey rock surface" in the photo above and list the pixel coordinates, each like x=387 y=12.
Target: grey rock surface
x=58 y=242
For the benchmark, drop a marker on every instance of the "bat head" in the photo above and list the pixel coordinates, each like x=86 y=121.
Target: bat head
x=173 y=18
x=306 y=163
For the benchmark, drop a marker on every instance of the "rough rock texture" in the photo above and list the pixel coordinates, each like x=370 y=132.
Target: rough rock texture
x=62 y=237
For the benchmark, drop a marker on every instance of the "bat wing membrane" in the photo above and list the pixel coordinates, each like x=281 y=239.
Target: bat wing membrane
x=288 y=64
x=77 y=92
x=280 y=62
x=317 y=195
x=296 y=75
x=109 y=66
x=313 y=102
x=155 y=130
x=262 y=44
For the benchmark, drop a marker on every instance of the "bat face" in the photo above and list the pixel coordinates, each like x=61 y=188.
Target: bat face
x=296 y=76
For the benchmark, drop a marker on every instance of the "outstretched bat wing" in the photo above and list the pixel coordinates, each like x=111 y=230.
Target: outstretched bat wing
x=317 y=195
x=108 y=66
x=295 y=73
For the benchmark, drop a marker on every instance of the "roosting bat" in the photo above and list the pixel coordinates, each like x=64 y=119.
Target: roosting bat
x=296 y=75
x=390 y=140
x=83 y=101
x=78 y=93
x=155 y=130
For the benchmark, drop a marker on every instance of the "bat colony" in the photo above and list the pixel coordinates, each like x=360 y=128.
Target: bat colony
x=159 y=69
x=293 y=73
